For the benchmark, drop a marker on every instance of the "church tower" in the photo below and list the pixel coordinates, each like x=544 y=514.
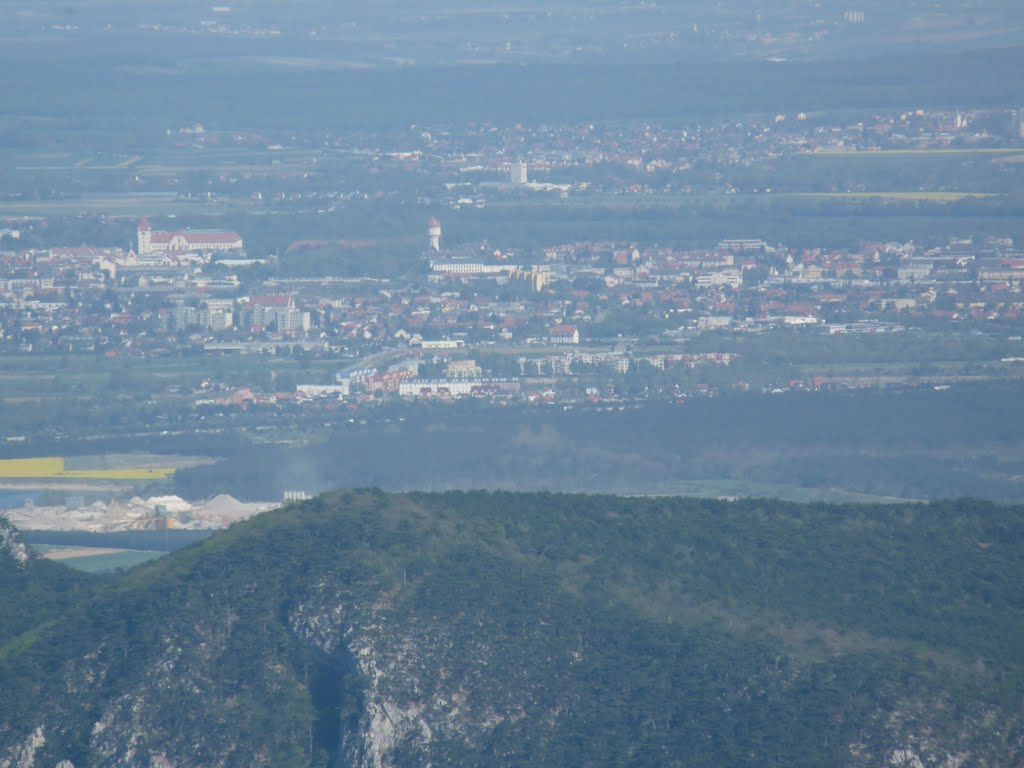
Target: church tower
x=434 y=230
x=145 y=233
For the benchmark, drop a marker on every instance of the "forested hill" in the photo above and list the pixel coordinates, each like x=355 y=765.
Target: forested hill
x=500 y=629
x=33 y=591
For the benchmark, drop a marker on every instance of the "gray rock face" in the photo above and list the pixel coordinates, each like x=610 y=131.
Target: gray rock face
x=360 y=639
x=12 y=546
x=428 y=694
x=24 y=755
x=426 y=685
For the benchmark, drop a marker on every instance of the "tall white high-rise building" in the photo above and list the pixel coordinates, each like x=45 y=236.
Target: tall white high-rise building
x=519 y=172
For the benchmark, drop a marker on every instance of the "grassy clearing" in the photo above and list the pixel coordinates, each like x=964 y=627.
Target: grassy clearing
x=96 y=560
x=106 y=563
x=70 y=553
x=80 y=376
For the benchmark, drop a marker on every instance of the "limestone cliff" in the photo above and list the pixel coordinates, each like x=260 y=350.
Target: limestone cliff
x=367 y=630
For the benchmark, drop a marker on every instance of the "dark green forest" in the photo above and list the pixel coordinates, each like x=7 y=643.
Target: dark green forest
x=538 y=629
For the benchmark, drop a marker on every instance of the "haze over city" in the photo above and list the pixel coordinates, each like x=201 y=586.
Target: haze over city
x=484 y=384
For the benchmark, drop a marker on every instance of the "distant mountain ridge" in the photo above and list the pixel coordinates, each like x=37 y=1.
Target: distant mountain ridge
x=367 y=629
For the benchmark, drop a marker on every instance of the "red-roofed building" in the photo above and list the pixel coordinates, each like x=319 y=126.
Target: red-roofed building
x=564 y=334
x=186 y=240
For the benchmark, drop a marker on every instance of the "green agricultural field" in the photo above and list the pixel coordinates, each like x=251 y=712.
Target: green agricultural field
x=42 y=377
x=936 y=152
x=91 y=560
x=131 y=461
x=169 y=160
x=112 y=562
x=930 y=197
x=155 y=204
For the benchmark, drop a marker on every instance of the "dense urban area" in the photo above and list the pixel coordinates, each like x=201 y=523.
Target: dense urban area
x=558 y=251
x=511 y=383
x=411 y=315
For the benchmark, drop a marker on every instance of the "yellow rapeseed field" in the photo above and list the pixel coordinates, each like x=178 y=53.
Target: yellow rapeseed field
x=52 y=468
x=41 y=467
x=118 y=474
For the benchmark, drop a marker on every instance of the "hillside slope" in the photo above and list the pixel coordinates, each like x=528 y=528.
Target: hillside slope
x=33 y=591
x=472 y=629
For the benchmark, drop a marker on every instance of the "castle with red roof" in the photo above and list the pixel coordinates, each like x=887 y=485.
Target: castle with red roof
x=186 y=240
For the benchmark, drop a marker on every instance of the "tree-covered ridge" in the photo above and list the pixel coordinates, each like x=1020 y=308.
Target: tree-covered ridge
x=946 y=575
x=32 y=590
x=509 y=629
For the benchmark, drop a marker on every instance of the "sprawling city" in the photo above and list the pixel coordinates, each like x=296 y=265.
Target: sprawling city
x=418 y=313
x=410 y=384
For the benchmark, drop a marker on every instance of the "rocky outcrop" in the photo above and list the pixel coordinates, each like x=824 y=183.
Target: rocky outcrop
x=11 y=545
x=381 y=632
